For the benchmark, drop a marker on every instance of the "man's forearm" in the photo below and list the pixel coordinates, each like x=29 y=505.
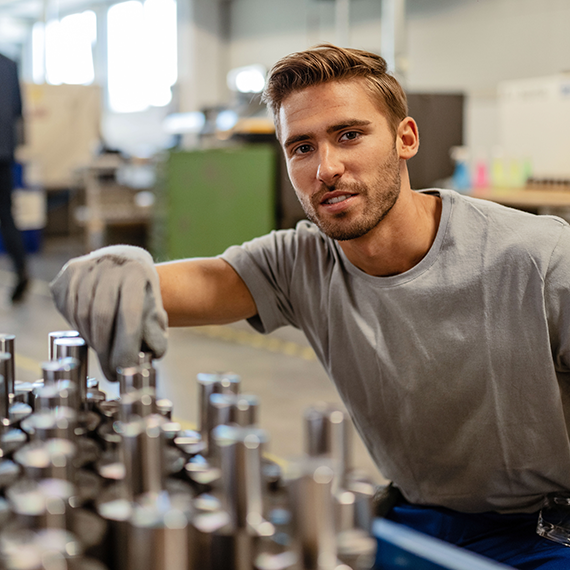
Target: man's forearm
x=203 y=291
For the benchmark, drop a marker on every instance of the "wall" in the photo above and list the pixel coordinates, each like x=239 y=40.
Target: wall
x=453 y=45
x=472 y=45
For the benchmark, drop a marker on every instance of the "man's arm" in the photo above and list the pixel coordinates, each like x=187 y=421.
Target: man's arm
x=203 y=291
x=120 y=301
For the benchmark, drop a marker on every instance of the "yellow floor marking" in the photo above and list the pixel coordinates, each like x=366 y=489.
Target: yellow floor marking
x=28 y=364
x=256 y=340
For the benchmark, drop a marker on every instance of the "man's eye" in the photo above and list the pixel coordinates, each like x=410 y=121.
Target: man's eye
x=350 y=135
x=303 y=149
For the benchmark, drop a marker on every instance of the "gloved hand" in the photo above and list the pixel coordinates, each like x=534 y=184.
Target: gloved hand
x=112 y=297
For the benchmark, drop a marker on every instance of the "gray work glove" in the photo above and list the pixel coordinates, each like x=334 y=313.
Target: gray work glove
x=112 y=297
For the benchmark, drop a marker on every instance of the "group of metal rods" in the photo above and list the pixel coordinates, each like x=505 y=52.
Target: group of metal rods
x=93 y=484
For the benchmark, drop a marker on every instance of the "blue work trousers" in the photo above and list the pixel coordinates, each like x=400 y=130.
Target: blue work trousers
x=510 y=539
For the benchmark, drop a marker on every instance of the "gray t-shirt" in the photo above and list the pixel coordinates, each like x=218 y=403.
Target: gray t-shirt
x=456 y=372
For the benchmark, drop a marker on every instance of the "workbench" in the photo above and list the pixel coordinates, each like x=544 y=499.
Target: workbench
x=540 y=199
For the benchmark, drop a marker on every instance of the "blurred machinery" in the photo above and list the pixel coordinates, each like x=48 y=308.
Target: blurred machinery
x=92 y=484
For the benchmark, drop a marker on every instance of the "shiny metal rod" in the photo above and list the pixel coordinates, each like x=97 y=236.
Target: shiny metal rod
x=245 y=410
x=240 y=451
x=159 y=536
x=62 y=393
x=60 y=423
x=229 y=383
x=53 y=336
x=7 y=345
x=206 y=387
x=310 y=487
x=139 y=403
x=219 y=413
x=134 y=378
x=63 y=370
x=52 y=459
x=213 y=383
x=143 y=455
x=5 y=359
x=328 y=433
x=77 y=348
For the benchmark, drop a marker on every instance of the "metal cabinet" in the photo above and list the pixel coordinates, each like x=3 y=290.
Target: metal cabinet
x=218 y=197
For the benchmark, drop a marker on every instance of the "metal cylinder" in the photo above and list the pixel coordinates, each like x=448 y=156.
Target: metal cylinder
x=146 y=405
x=285 y=560
x=43 y=549
x=41 y=504
x=24 y=392
x=160 y=535
x=67 y=368
x=145 y=358
x=364 y=490
x=213 y=383
x=345 y=510
x=9 y=474
x=143 y=455
x=134 y=378
x=165 y=407
x=70 y=369
x=219 y=413
x=220 y=410
x=51 y=459
x=60 y=423
x=240 y=452
x=230 y=383
x=52 y=396
x=310 y=487
x=356 y=549
x=328 y=433
x=77 y=348
x=54 y=335
x=127 y=379
x=245 y=410
x=95 y=398
x=6 y=362
x=206 y=387
x=140 y=403
x=189 y=441
x=148 y=376
x=7 y=346
x=4 y=400
x=50 y=372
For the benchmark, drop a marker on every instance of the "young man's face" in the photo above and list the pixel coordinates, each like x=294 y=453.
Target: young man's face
x=341 y=157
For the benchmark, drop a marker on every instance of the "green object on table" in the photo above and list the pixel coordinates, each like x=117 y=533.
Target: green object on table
x=218 y=197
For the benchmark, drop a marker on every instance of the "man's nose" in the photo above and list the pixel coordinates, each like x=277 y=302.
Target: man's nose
x=330 y=167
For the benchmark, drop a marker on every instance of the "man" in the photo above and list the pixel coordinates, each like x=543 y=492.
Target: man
x=10 y=120
x=442 y=320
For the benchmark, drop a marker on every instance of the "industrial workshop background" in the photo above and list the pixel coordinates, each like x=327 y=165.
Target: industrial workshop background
x=143 y=125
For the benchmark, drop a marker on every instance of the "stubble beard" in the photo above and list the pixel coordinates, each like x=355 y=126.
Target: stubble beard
x=379 y=199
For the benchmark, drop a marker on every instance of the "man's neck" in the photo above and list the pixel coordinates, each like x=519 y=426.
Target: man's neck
x=401 y=240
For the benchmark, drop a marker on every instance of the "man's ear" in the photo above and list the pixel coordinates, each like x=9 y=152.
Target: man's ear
x=407 y=138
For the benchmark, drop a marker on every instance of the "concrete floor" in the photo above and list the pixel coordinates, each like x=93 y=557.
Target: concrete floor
x=279 y=368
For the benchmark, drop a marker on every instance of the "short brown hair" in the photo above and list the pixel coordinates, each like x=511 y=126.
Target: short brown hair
x=327 y=62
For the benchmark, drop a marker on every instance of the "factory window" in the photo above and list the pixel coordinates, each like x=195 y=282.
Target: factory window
x=63 y=49
x=142 y=54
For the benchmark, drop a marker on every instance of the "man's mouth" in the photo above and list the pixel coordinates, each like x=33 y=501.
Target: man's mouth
x=336 y=199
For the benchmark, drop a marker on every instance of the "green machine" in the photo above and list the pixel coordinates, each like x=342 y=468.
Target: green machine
x=218 y=197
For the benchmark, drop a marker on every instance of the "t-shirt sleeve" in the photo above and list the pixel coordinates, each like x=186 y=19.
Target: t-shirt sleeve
x=266 y=264
x=557 y=297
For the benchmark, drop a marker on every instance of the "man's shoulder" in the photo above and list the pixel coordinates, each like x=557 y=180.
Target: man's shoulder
x=506 y=231
x=501 y=216
x=304 y=234
x=303 y=244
